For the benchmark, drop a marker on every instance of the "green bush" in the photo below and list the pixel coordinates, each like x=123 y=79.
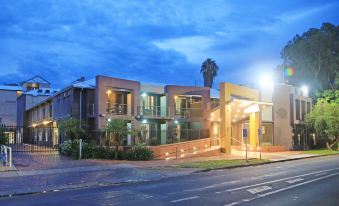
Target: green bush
x=3 y=140
x=71 y=148
x=139 y=153
x=103 y=153
x=3 y=137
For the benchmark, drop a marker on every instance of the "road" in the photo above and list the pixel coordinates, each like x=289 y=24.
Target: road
x=313 y=181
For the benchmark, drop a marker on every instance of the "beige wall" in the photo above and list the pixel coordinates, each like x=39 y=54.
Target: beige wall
x=104 y=82
x=281 y=115
x=8 y=107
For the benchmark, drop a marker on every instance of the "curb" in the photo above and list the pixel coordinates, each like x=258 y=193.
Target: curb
x=264 y=163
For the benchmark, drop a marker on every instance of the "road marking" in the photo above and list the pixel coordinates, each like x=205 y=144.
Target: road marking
x=294 y=180
x=321 y=174
x=297 y=185
x=233 y=203
x=184 y=199
x=286 y=188
x=278 y=180
x=259 y=189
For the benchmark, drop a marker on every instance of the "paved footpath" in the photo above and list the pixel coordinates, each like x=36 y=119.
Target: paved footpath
x=37 y=173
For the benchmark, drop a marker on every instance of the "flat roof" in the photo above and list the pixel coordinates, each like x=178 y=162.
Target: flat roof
x=10 y=88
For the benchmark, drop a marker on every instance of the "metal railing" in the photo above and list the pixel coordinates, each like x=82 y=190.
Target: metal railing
x=6 y=155
x=188 y=112
x=90 y=110
x=153 y=111
x=120 y=109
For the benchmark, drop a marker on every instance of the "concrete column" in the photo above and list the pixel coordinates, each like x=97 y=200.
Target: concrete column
x=254 y=126
x=226 y=119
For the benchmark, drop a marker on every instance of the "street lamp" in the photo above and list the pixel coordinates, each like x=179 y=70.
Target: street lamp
x=304 y=89
x=265 y=80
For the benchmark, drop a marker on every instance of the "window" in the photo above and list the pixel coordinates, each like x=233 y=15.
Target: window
x=308 y=107
x=303 y=109
x=297 y=109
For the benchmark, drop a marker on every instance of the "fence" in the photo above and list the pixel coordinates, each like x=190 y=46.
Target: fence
x=30 y=139
x=153 y=137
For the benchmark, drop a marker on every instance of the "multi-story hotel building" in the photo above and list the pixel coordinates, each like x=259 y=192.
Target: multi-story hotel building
x=168 y=114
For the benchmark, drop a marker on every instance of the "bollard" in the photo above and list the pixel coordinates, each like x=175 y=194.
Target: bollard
x=10 y=156
x=80 y=149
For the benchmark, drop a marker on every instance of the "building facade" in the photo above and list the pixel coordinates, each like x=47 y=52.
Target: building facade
x=164 y=114
x=167 y=114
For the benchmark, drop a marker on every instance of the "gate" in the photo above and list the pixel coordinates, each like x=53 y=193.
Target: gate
x=40 y=140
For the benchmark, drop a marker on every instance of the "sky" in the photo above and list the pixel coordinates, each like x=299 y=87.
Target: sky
x=161 y=42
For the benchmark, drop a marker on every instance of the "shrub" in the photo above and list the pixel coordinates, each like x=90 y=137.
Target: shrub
x=103 y=153
x=139 y=153
x=3 y=137
x=71 y=148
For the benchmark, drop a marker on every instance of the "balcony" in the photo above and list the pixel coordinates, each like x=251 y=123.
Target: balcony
x=153 y=111
x=120 y=109
x=90 y=110
x=189 y=112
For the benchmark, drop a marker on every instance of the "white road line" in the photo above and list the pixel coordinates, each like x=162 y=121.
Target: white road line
x=233 y=203
x=278 y=180
x=294 y=180
x=297 y=185
x=184 y=199
x=259 y=189
x=321 y=174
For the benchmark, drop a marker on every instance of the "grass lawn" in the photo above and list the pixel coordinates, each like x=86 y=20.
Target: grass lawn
x=321 y=152
x=217 y=164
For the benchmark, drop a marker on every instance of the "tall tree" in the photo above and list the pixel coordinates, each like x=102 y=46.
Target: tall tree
x=315 y=57
x=209 y=70
x=324 y=118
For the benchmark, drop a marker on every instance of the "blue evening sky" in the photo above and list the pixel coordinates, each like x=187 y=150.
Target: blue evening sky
x=162 y=41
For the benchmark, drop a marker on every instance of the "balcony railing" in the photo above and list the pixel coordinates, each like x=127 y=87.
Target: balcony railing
x=153 y=111
x=189 y=112
x=90 y=110
x=120 y=109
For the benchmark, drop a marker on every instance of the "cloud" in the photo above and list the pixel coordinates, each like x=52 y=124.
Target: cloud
x=152 y=41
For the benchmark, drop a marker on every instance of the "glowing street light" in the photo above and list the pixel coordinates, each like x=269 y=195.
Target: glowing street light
x=304 y=89
x=266 y=80
x=144 y=94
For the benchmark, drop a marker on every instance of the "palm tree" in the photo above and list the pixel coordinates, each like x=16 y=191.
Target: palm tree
x=209 y=70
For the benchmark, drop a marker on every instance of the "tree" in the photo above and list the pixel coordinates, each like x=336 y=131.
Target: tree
x=117 y=131
x=324 y=118
x=70 y=128
x=315 y=57
x=209 y=70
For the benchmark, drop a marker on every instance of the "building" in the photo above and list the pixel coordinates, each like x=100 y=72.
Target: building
x=8 y=105
x=167 y=114
x=28 y=93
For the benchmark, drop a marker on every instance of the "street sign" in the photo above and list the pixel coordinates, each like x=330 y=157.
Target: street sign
x=244 y=133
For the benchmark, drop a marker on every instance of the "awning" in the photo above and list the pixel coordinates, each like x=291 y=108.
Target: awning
x=241 y=109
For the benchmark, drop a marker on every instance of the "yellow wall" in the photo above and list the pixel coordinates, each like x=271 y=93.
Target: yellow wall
x=226 y=91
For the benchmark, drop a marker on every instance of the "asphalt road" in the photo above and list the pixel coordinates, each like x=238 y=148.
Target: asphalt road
x=312 y=181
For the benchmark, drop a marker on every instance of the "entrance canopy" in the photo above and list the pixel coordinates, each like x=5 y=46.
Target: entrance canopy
x=242 y=109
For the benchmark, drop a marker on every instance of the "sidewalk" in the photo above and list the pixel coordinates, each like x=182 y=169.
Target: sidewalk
x=38 y=174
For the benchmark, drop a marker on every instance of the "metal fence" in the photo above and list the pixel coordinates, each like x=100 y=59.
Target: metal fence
x=152 y=137
x=30 y=139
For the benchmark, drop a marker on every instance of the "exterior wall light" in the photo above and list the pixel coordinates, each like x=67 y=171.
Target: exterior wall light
x=144 y=94
x=144 y=121
x=176 y=122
